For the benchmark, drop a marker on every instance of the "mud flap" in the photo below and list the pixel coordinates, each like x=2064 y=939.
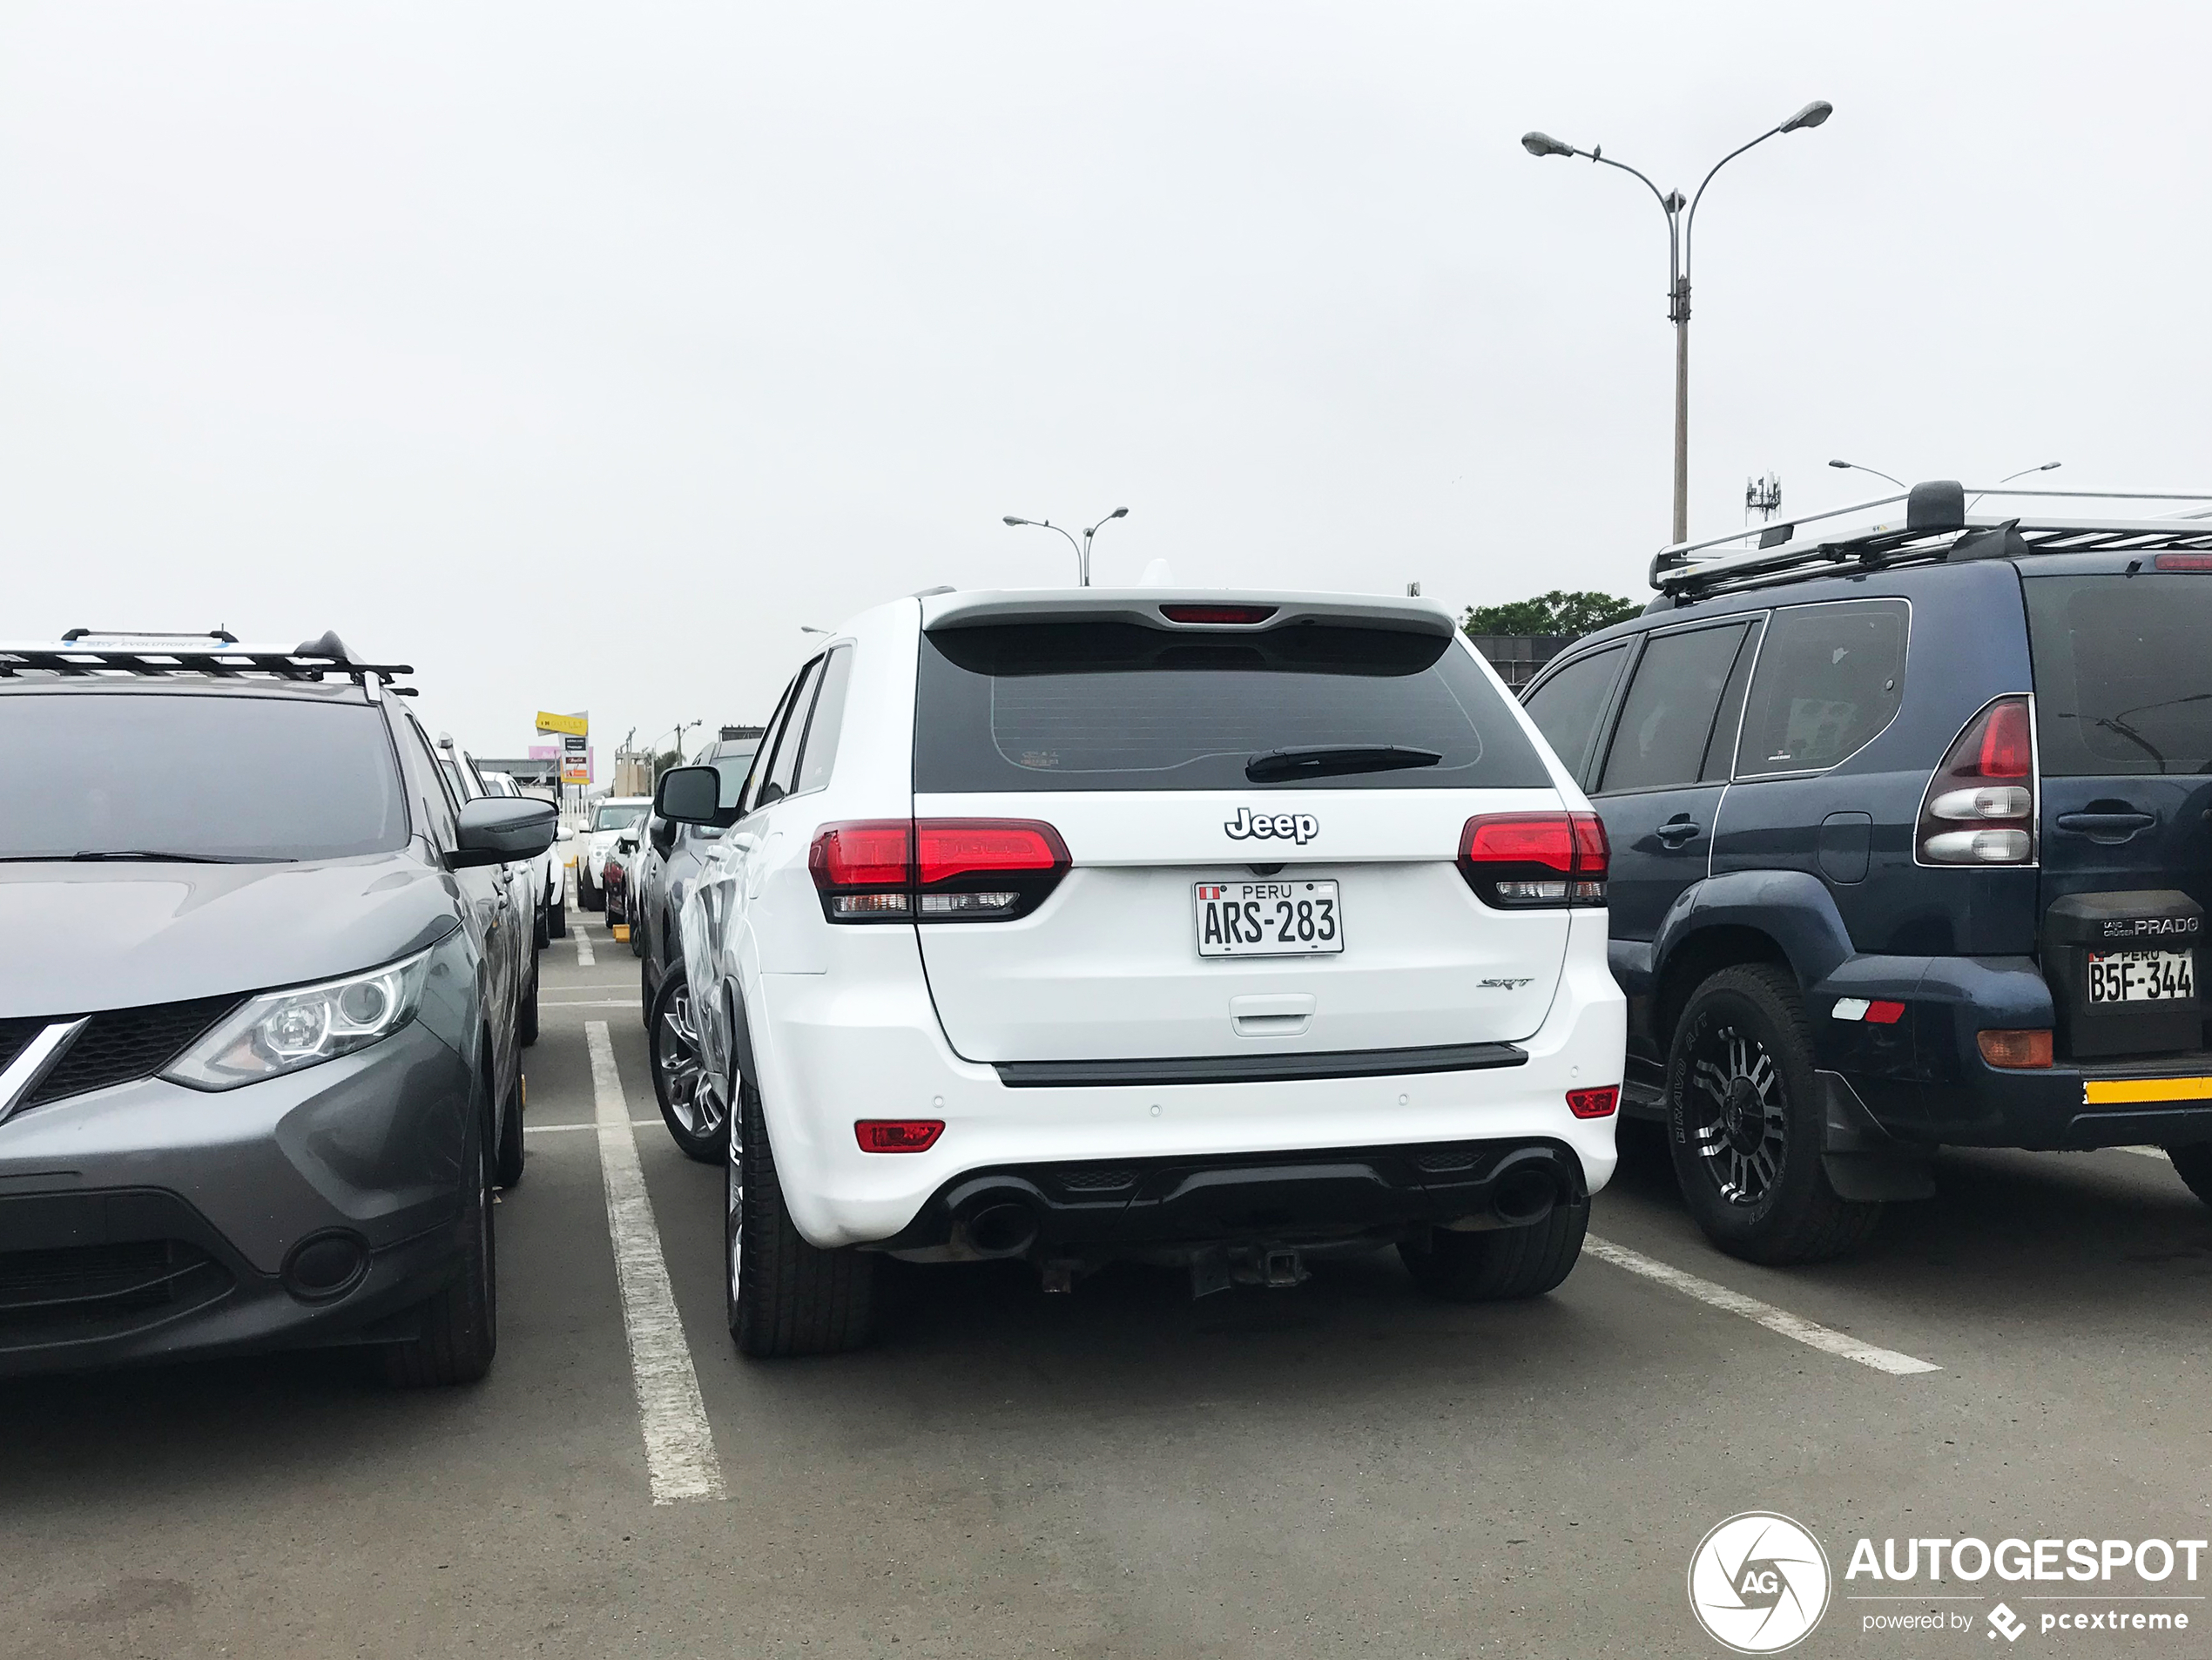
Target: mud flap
x=1863 y=1162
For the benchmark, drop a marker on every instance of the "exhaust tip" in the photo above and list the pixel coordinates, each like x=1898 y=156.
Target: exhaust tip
x=1006 y=1228
x=1525 y=1196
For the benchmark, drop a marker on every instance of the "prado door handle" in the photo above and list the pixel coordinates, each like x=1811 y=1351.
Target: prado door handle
x=1676 y=832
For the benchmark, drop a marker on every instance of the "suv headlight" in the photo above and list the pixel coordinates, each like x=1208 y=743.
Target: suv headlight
x=283 y=1031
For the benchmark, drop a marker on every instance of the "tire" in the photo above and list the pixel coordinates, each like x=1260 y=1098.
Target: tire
x=588 y=897
x=541 y=933
x=2193 y=1163
x=556 y=920
x=526 y=1013
x=646 y=992
x=460 y=1326
x=507 y=1167
x=783 y=1296
x=689 y=1104
x=1746 y=1123
x=1499 y=1264
x=637 y=939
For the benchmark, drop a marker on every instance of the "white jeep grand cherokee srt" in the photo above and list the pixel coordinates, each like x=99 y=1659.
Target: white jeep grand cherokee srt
x=1226 y=931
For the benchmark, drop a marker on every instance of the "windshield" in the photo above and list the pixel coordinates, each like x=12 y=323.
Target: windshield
x=2123 y=680
x=217 y=778
x=614 y=818
x=1121 y=707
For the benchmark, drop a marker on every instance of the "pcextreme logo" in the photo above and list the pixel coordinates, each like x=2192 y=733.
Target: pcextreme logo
x=1759 y=1583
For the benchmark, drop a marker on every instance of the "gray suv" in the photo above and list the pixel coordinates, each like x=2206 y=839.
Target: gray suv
x=259 y=1055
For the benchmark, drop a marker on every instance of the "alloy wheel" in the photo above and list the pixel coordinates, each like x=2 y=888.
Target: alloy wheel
x=689 y=1093
x=1741 y=1122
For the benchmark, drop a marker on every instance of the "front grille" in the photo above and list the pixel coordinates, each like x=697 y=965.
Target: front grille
x=121 y=1044
x=14 y=1034
x=86 y=1291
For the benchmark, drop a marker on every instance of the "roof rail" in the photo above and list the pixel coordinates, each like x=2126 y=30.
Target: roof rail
x=1934 y=526
x=221 y=654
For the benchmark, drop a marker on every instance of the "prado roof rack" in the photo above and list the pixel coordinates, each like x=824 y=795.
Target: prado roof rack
x=218 y=653
x=1934 y=527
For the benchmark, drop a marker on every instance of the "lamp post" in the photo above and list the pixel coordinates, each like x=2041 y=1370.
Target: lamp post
x=1853 y=466
x=1082 y=548
x=1680 y=217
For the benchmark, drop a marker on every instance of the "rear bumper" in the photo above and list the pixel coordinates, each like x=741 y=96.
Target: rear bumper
x=831 y=1049
x=148 y=1221
x=1342 y=1195
x=1925 y=1082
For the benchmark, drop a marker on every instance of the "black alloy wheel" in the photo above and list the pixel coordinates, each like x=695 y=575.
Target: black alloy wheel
x=691 y=1105
x=1747 y=1122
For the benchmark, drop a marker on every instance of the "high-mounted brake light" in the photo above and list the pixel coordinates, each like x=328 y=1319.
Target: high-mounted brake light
x=2184 y=562
x=938 y=870
x=1979 y=808
x=1233 y=614
x=1522 y=860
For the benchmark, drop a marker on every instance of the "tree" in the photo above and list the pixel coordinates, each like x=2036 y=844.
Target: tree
x=1555 y=613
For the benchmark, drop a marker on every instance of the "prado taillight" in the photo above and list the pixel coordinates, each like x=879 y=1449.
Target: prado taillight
x=935 y=870
x=1979 y=808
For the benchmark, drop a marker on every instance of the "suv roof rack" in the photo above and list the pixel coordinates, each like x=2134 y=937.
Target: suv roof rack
x=1935 y=526
x=218 y=653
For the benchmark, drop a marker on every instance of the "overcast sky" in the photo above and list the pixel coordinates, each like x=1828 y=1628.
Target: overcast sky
x=578 y=355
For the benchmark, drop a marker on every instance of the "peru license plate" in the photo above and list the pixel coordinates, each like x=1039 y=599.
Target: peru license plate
x=1269 y=919
x=2142 y=976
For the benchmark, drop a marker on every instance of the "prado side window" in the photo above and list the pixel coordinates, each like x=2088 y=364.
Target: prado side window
x=1666 y=720
x=1571 y=701
x=1829 y=679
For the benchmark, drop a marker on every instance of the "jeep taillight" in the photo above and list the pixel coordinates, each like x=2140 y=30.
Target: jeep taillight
x=935 y=870
x=1979 y=808
x=1524 y=861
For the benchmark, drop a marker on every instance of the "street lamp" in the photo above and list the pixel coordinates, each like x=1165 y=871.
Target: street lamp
x=1680 y=219
x=1083 y=549
x=1853 y=466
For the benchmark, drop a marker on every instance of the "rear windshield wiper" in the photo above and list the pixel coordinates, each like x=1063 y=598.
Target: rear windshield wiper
x=1335 y=760
x=150 y=855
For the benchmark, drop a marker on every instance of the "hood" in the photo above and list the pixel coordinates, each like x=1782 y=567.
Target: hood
x=78 y=938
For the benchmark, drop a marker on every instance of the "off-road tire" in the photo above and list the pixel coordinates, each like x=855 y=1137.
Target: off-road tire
x=459 y=1330
x=1499 y=1264
x=2193 y=1163
x=784 y=1296
x=1796 y=1217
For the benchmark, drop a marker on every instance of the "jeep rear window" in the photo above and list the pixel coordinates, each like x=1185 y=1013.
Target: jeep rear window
x=1110 y=706
x=241 y=778
x=2123 y=673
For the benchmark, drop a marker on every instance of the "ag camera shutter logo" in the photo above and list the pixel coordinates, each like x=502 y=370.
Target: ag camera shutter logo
x=1759 y=1583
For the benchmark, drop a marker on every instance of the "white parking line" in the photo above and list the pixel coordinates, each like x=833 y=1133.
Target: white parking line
x=1775 y=1319
x=583 y=958
x=2147 y=1152
x=589 y=1003
x=679 y=1444
x=556 y=1130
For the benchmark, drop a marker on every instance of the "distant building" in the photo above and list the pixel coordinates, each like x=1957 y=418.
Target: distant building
x=1518 y=656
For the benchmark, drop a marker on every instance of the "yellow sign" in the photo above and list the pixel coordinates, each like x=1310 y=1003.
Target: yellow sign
x=579 y=725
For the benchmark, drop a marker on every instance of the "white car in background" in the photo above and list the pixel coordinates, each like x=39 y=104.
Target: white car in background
x=1235 y=933
x=549 y=869
x=609 y=818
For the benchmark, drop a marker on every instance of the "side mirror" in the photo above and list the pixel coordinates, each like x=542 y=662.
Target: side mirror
x=662 y=834
x=692 y=795
x=494 y=829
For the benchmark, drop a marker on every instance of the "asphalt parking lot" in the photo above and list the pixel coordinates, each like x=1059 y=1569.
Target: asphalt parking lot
x=1342 y=1468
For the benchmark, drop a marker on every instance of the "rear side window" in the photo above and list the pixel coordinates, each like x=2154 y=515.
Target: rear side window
x=2123 y=673
x=1568 y=705
x=1110 y=706
x=820 y=753
x=1829 y=679
x=1668 y=717
x=783 y=771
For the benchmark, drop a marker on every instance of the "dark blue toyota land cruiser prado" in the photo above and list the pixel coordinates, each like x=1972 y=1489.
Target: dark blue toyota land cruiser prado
x=1912 y=832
